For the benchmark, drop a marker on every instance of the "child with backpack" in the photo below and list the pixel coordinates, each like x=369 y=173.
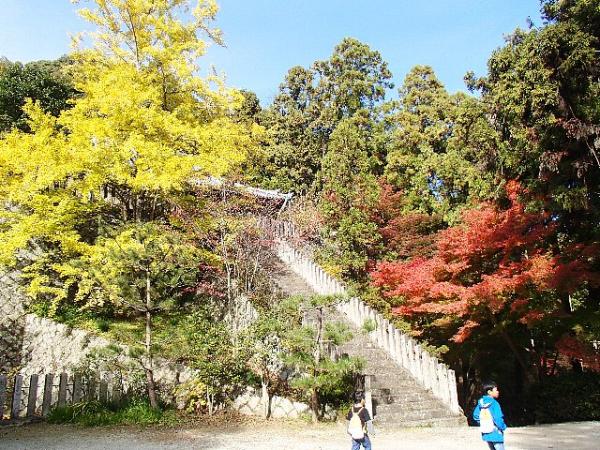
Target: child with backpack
x=359 y=421
x=488 y=415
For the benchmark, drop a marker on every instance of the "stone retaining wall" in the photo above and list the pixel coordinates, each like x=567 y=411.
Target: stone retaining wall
x=241 y=315
x=12 y=322
x=34 y=345
x=251 y=403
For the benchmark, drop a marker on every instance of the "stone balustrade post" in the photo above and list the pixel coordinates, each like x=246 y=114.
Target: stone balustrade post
x=404 y=352
x=445 y=392
x=382 y=331
x=439 y=386
x=392 y=341
x=453 y=392
x=32 y=395
x=411 y=356
x=425 y=358
x=398 y=346
x=378 y=327
x=373 y=318
x=368 y=395
x=418 y=362
x=385 y=338
x=432 y=373
x=361 y=315
x=303 y=266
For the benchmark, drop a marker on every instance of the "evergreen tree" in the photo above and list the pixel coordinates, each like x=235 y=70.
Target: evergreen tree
x=45 y=82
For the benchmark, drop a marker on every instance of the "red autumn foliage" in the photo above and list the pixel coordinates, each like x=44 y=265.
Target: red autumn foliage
x=570 y=347
x=496 y=260
x=405 y=234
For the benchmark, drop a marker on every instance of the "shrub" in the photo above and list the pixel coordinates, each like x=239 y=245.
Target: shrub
x=94 y=413
x=103 y=324
x=568 y=397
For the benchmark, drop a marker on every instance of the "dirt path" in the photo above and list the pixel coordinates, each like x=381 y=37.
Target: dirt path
x=289 y=435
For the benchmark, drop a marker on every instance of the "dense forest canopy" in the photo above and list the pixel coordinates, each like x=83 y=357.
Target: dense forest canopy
x=471 y=219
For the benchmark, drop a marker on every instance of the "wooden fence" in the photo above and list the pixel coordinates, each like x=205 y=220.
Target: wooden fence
x=34 y=396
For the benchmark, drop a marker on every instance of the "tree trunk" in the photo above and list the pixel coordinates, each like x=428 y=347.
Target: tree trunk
x=314 y=397
x=318 y=337
x=209 y=401
x=531 y=379
x=266 y=398
x=150 y=363
x=314 y=404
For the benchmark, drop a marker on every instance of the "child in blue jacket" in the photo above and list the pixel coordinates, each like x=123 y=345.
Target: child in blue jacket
x=494 y=438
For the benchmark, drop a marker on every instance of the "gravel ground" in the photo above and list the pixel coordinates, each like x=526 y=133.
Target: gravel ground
x=289 y=435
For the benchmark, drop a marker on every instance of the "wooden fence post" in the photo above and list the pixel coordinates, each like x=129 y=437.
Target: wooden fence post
x=32 y=397
x=16 y=398
x=103 y=391
x=47 y=402
x=92 y=387
x=3 y=387
x=117 y=389
x=77 y=394
x=62 y=389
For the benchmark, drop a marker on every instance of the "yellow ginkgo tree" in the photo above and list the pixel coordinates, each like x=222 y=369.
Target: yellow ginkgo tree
x=142 y=127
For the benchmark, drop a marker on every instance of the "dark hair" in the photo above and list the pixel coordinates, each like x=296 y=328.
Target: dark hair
x=488 y=386
x=359 y=396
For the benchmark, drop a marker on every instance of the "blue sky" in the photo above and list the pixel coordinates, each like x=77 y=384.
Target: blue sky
x=265 y=38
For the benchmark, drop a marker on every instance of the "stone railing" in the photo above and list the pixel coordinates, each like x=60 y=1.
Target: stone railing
x=429 y=371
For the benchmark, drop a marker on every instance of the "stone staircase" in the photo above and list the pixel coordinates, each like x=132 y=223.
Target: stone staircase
x=398 y=399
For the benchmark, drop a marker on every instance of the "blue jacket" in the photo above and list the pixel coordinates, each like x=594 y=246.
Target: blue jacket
x=498 y=434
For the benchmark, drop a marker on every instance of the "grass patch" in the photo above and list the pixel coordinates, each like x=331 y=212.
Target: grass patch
x=95 y=413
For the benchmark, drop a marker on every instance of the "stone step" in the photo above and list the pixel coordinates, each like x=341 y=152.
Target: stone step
x=398 y=399
x=385 y=396
x=397 y=384
x=405 y=407
x=393 y=412
x=391 y=422
x=384 y=364
x=391 y=379
x=399 y=387
x=407 y=399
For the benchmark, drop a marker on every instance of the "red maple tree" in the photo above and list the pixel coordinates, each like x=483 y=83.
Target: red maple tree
x=497 y=260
